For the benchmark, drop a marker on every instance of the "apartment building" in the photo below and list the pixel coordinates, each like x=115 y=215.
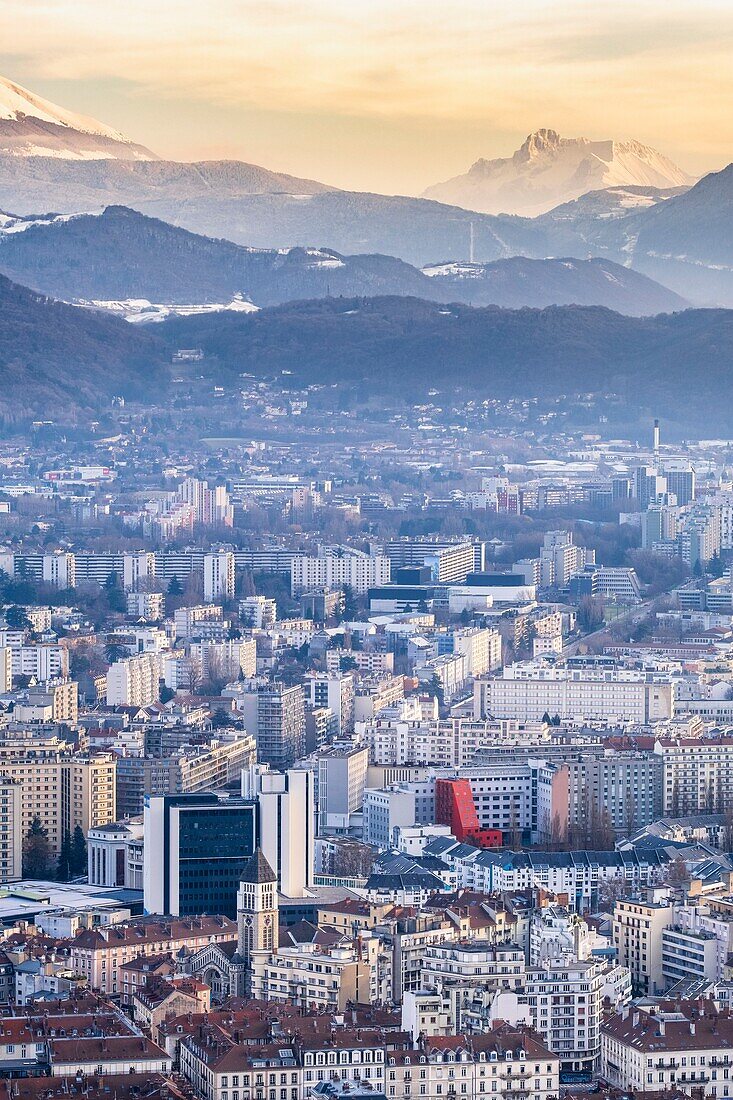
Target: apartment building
x=309 y=974
x=335 y=567
x=99 y=953
x=341 y=782
x=275 y=713
x=59 y=570
x=528 y=690
x=337 y=693
x=698 y=773
x=219 y=576
x=637 y=936
x=450 y=742
x=63 y=791
x=11 y=830
x=149 y=606
x=375 y=694
x=134 y=681
x=202 y=621
x=683 y=1046
x=191 y=768
x=257 y=612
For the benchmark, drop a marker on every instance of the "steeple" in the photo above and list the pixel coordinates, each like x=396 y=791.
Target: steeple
x=257 y=912
x=257 y=870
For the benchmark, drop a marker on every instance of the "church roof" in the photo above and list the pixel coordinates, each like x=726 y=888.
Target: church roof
x=257 y=869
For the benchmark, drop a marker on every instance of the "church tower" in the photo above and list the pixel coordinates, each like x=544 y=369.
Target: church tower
x=257 y=917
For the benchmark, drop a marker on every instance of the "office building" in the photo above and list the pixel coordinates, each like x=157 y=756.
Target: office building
x=196 y=848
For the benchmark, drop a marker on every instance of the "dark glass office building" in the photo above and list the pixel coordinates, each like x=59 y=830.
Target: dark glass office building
x=196 y=847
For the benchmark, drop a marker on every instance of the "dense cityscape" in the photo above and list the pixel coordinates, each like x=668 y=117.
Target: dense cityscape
x=366 y=616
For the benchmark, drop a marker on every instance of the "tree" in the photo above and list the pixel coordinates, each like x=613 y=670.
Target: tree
x=16 y=618
x=349 y=603
x=115 y=593
x=36 y=851
x=716 y=568
x=590 y=613
x=114 y=651
x=78 y=851
x=435 y=688
x=64 y=866
x=175 y=588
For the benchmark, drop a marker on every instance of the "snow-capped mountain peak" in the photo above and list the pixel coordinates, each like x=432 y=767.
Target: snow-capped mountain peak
x=31 y=126
x=549 y=169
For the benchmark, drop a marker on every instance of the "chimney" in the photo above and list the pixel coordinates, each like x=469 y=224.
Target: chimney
x=656 y=439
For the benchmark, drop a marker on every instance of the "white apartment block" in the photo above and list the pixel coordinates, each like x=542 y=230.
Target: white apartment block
x=146 y=605
x=449 y=742
x=334 y=570
x=219 y=575
x=44 y=662
x=59 y=569
x=137 y=566
x=134 y=681
x=450 y=669
x=528 y=690
x=257 y=612
x=697 y=773
x=203 y=621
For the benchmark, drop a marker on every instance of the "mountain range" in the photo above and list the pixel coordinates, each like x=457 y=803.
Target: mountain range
x=650 y=219
x=402 y=346
x=68 y=257
x=548 y=170
x=406 y=347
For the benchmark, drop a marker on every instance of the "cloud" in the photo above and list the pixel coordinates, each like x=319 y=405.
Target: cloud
x=658 y=70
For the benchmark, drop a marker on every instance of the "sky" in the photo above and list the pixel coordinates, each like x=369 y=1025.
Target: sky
x=382 y=95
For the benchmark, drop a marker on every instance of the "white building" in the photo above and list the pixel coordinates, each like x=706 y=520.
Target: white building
x=219 y=575
x=529 y=690
x=134 y=682
x=59 y=569
x=335 y=567
x=287 y=823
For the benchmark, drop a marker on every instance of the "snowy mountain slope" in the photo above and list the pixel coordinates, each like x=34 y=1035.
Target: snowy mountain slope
x=31 y=126
x=549 y=169
x=159 y=267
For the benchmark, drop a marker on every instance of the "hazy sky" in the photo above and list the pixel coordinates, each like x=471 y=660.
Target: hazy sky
x=389 y=95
